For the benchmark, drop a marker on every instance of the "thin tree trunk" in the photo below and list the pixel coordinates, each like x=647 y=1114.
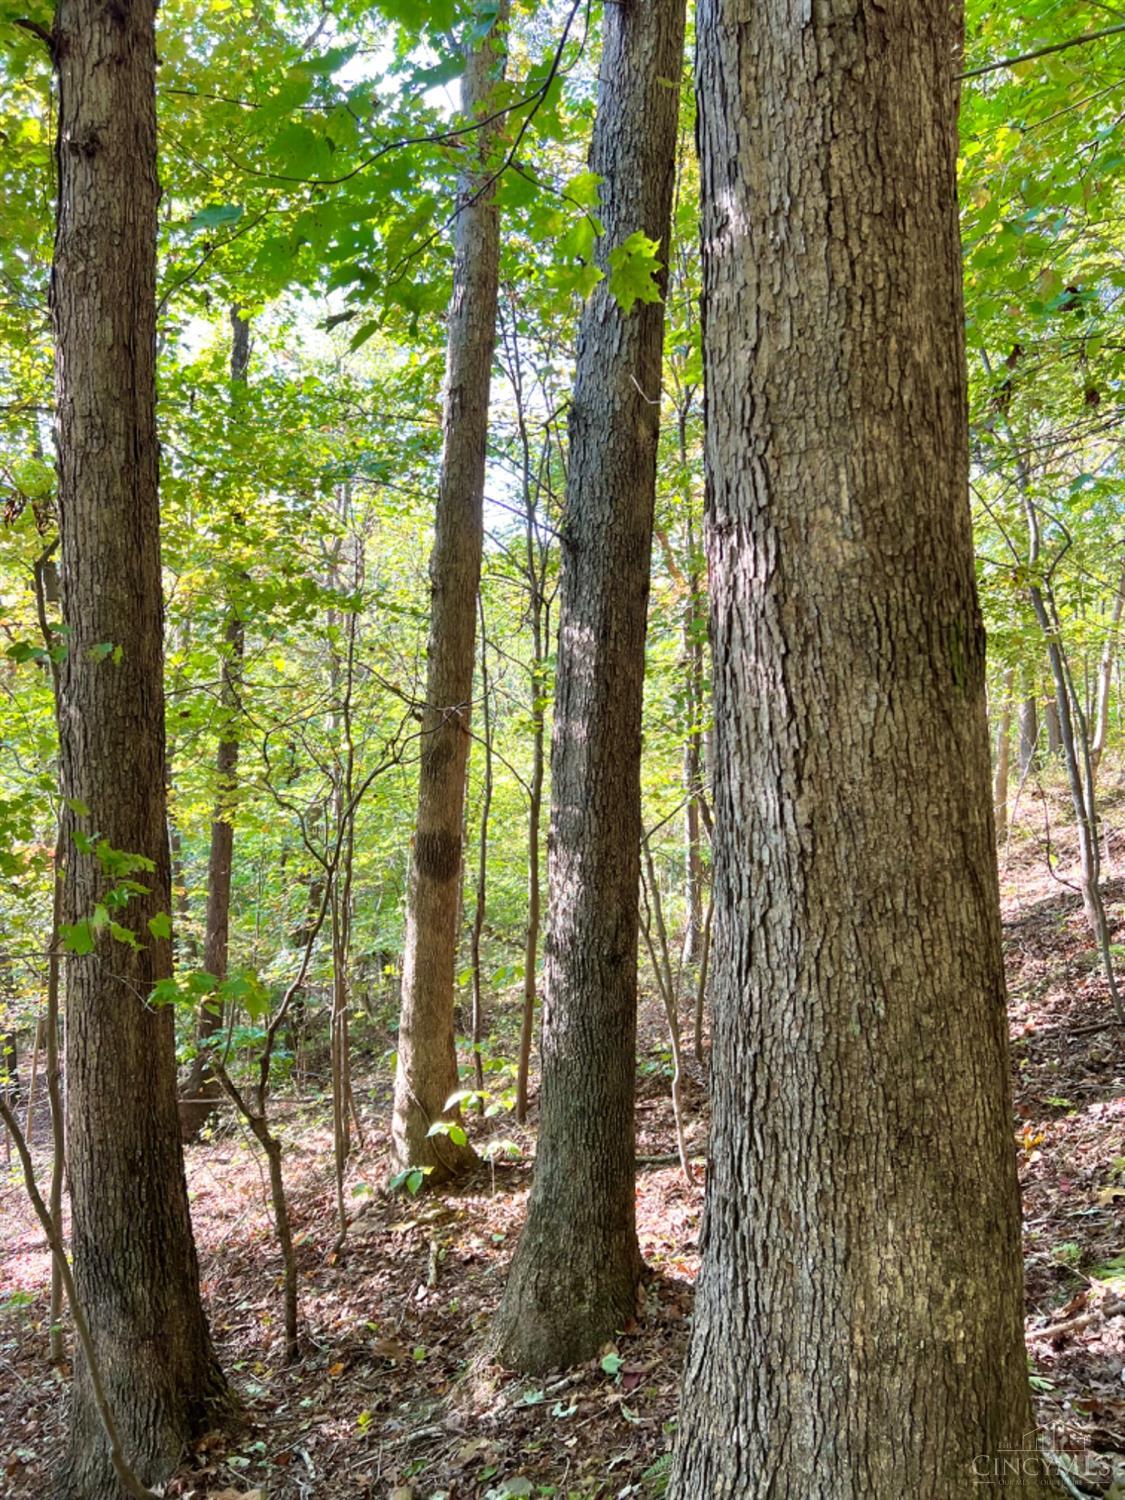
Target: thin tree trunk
x=201 y=1089
x=661 y=960
x=1079 y=768
x=344 y=809
x=9 y=1056
x=47 y=592
x=183 y=944
x=135 y=1265
x=1003 y=758
x=693 y=740
x=858 y=1326
x=1029 y=729
x=1105 y=679
x=258 y=1122
x=426 y=1075
x=535 y=571
x=58 y=1113
x=534 y=895
x=1054 y=729
x=296 y=1011
x=701 y=983
x=33 y=1081
x=573 y=1279
x=482 y=870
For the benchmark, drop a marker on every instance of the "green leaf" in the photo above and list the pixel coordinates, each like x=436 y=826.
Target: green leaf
x=77 y=807
x=362 y=334
x=78 y=939
x=247 y=990
x=33 y=477
x=578 y=241
x=124 y=935
x=24 y=651
x=632 y=268
x=611 y=1363
x=161 y=925
x=217 y=216
x=457 y=1135
x=300 y=152
x=583 y=189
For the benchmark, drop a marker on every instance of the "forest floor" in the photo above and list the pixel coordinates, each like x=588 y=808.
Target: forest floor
x=393 y=1398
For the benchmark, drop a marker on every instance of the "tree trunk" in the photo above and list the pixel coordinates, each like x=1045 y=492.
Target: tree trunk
x=1076 y=752
x=1105 y=678
x=9 y=1040
x=858 y=1329
x=1054 y=728
x=539 y=612
x=534 y=882
x=481 y=901
x=183 y=944
x=1029 y=732
x=1003 y=718
x=201 y=1089
x=574 y=1277
x=426 y=1075
x=693 y=740
x=134 y=1258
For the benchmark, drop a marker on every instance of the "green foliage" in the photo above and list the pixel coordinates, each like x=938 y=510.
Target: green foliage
x=633 y=266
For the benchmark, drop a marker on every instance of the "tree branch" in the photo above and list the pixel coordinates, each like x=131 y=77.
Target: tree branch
x=1074 y=41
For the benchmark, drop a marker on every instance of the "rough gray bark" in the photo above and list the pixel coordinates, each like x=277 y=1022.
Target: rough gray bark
x=1029 y=732
x=574 y=1277
x=1054 y=729
x=134 y=1259
x=426 y=1074
x=201 y=1089
x=858 y=1323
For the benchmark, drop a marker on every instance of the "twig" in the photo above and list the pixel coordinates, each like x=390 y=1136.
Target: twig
x=1074 y=41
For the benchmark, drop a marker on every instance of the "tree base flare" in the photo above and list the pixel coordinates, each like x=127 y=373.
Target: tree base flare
x=560 y=1310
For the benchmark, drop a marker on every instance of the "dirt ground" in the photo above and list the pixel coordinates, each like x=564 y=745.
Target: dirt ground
x=392 y=1398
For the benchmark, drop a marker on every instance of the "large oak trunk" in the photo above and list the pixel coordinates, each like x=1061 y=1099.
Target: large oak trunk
x=574 y=1278
x=427 y=1058
x=134 y=1259
x=858 y=1325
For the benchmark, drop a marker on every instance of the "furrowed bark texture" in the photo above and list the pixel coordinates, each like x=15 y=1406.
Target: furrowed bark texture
x=858 y=1324
x=134 y=1259
x=427 y=1058
x=574 y=1277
